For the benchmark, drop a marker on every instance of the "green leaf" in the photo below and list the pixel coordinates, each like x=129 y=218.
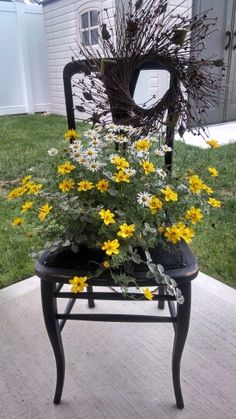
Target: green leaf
x=152 y=267
x=160 y=268
x=75 y=248
x=66 y=243
x=148 y=256
x=136 y=258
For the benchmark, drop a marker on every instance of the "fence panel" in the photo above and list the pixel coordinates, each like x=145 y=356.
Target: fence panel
x=23 y=60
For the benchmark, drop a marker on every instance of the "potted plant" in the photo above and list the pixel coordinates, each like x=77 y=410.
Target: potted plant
x=106 y=209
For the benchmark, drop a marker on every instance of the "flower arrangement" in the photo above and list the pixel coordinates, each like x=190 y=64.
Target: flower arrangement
x=109 y=191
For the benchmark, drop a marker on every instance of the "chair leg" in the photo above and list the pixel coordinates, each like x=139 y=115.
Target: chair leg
x=161 y=303
x=182 y=326
x=91 y=302
x=49 y=305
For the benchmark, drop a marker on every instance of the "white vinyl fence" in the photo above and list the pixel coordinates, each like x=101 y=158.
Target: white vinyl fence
x=23 y=60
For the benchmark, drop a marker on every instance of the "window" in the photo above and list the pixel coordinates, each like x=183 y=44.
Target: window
x=89 y=27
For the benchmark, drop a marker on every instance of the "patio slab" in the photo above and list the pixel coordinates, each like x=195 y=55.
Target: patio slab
x=118 y=370
x=224 y=133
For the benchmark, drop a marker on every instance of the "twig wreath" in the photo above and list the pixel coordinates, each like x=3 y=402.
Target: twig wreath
x=148 y=35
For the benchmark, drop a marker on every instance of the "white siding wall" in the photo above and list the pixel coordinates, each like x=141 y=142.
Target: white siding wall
x=61 y=27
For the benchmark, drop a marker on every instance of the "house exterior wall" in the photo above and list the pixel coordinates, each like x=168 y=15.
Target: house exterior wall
x=61 y=32
x=61 y=27
x=153 y=82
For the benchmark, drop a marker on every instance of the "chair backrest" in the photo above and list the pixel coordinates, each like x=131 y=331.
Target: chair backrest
x=77 y=67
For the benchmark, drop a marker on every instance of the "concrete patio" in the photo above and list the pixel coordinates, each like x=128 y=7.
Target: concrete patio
x=224 y=133
x=114 y=370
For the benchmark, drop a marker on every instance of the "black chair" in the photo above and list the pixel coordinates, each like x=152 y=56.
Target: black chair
x=54 y=270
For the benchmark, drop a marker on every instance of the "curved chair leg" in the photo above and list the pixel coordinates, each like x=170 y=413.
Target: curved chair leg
x=182 y=326
x=161 y=303
x=91 y=302
x=49 y=305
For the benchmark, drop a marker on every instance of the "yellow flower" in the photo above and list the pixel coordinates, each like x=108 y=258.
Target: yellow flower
x=26 y=179
x=173 y=233
x=71 y=134
x=147 y=166
x=154 y=204
x=64 y=169
x=111 y=246
x=17 y=221
x=187 y=234
x=161 y=229
x=196 y=184
x=15 y=193
x=214 y=203
x=194 y=215
x=142 y=145
x=148 y=294
x=26 y=206
x=120 y=162
x=106 y=264
x=213 y=143
x=213 y=171
x=78 y=283
x=121 y=177
x=33 y=188
x=84 y=186
x=170 y=195
x=102 y=185
x=66 y=185
x=107 y=216
x=126 y=230
x=181 y=227
x=44 y=211
x=208 y=190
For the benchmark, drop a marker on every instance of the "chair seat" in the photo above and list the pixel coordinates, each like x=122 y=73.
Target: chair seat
x=178 y=261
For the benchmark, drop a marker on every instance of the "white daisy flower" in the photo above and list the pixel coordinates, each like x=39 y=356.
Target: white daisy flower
x=76 y=155
x=159 y=152
x=94 y=165
x=130 y=171
x=90 y=133
x=119 y=128
x=111 y=126
x=161 y=173
x=82 y=160
x=91 y=153
x=52 y=152
x=166 y=148
x=110 y=137
x=121 y=139
x=128 y=129
x=75 y=146
x=95 y=142
x=143 y=198
x=140 y=154
x=113 y=156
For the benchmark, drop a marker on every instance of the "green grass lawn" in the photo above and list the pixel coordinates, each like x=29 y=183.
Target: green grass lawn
x=25 y=140
x=215 y=243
